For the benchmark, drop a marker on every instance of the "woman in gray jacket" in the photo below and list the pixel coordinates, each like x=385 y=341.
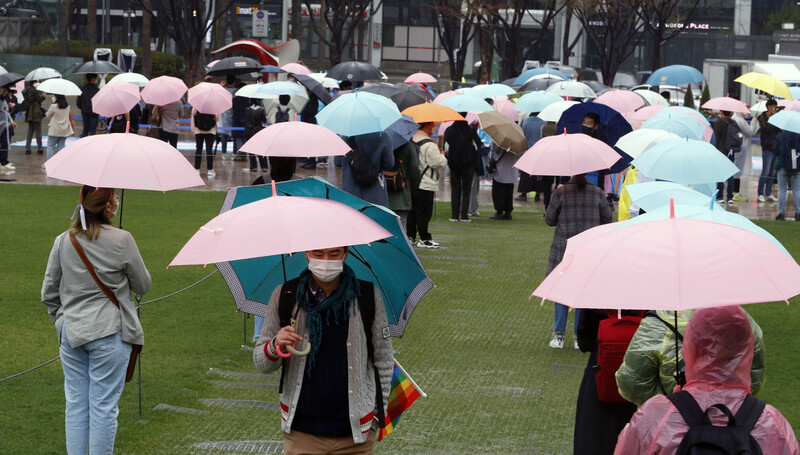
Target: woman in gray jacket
x=94 y=333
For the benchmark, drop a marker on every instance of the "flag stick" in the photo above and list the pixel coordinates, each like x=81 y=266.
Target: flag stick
x=421 y=393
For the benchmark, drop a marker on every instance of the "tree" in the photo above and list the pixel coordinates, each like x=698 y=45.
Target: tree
x=455 y=26
x=63 y=28
x=566 y=45
x=788 y=13
x=688 y=98
x=341 y=17
x=92 y=23
x=144 y=41
x=613 y=31
x=661 y=21
x=187 y=23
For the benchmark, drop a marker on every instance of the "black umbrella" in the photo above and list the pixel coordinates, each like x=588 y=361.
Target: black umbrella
x=97 y=67
x=379 y=88
x=314 y=86
x=510 y=82
x=10 y=79
x=408 y=95
x=534 y=85
x=354 y=72
x=598 y=87
x=235 y=66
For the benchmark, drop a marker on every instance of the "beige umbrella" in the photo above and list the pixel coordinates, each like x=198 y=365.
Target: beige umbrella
x=504 y=132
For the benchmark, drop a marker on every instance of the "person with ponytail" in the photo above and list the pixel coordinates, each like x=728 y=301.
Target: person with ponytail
x=95 y=330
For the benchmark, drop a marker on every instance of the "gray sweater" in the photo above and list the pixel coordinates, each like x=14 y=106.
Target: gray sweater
x=73 y=298
x=361 y=375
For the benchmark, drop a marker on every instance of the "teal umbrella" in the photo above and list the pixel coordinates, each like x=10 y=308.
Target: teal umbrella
x=391 y=264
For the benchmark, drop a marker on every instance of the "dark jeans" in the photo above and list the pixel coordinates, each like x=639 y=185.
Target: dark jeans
x=420 y=215
x=4 y=142
x=171 y=138
x=34 y=127
x=503 y=197
x=90 y=124
x=767 y=177
x=731 y=184
x=198 y=154
x=460 y=186
x=262 y=161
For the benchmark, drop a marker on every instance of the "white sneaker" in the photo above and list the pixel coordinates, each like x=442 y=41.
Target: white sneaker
x=427 y=244
x=557 y=342
x=8 y=166
x=211 y=173
x=198 y=171
x=772 y=198
x=761 y=198
x=454 y=219
x=575 y=343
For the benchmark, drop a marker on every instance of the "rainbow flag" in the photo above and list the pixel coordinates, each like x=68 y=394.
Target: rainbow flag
x=404 y=393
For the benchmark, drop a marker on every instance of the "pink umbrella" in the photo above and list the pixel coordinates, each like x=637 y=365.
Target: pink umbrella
x=470 y=118
x=567 y=154
x=210 y=98
x=678 y=263
x=420 y=78
x=633 y=120
x=163 y=90
x=725 y=103
x=645 y=113
x=506 y=107
x=296 y=68
x=125 y=161
x=115 y=99
x=280 y=225
x=445 y=95
x=622 y=101
x=295 y=139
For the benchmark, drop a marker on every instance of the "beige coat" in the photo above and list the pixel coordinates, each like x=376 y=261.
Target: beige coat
x=431 y=159
x=59 y=125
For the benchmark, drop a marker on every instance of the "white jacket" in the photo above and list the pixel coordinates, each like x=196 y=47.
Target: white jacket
x=431 y=159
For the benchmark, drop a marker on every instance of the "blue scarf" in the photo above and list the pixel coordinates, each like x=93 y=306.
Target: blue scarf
x=333 y=309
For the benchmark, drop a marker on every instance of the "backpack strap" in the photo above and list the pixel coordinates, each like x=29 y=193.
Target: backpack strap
x=286 y=303
x=688 y=407
x=749 y=412
x=654 y=314
x=366 y=304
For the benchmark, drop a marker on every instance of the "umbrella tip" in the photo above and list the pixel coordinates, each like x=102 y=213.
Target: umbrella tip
x=713 y=198
x=127 y=127
x=274 y=189
x=672 y=207
x=565 y=131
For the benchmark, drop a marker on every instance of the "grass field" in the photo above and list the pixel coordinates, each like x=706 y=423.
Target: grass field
x=476 y=345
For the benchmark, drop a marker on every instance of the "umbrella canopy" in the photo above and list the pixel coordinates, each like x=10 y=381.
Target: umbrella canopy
x=471 y=118
x=503 y=132
x=42 y=74
x=354 y=72
x=535 y=101
x=125 y=161
x=296 y=68
x=210 y=98
x=678 y=263
x=553 y=112
x=646 y=113
x=163 y=90
x=612 y=126
x=765 y=83
x=408 y=95
x=505 y=106
x=295 y=139
x=314 y=86
x=725 y=103
x=525 y=76
x=685 y=110
x=357 y=113
x=10 y=79
x=97 y=67
x=444 y=95
x=249 y=91
x=280 y=88
x=675 y=75
x=566 y=155
x=786 y=120
x=59 y=87
x=326 y=81
x=272 y=69
x=466 y=103
x=539 y=84
x=379 y=88
x=572 y=89
x=420 y=78
x=235 y=65
x=296 y=102
x=598 y=87
x=491 y=90
x=391 y=264
x=402 y=131
x=431 y=112
x=652 y=98
x=115 y=99
x=652 y=196
x=680 y=124
x=3 y=70
x=136 y=79
x=622 y=101
x=636 y=142
x=685 y=161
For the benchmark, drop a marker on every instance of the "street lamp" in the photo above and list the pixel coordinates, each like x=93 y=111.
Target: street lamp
x=128 y=14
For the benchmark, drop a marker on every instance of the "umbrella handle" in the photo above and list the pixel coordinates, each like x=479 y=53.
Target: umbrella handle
x=293 y=351
x=280 y=352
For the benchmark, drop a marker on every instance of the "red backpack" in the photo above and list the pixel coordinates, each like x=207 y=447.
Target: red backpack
x=613 y=337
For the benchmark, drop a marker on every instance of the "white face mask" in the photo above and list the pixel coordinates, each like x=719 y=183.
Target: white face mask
x=54 y=99
x=35 y=84
x=325 y=270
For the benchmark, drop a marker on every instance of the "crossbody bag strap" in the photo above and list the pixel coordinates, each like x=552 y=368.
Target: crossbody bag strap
x=90 y=268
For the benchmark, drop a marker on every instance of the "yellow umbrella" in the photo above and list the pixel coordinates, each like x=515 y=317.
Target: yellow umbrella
x=430 y=112
x=766 y=83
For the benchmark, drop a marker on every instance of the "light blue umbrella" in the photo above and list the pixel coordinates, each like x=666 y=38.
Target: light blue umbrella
x=675 y=75
x=684 y=110
x=402 y=130
x=280 y=88
x=391 y=264
x=523 y=78
x=795 y=91
x=357 y=113
x=685 y=161
x=712 y=213
x=681 y=124
x=272 y=69
x=536 y=101
x=466 y=103
x=491 y=90
x=651 y=196
x=786 y=120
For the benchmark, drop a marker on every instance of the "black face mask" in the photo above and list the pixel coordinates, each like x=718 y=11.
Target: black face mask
x=587 y=130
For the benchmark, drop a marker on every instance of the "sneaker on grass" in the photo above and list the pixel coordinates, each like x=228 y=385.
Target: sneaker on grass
x=427 y=244
x=557 y=342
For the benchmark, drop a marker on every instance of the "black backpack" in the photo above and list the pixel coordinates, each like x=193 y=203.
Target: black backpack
x=281 y=116
x=703 y=438
x=733 y=137
x=366 y=304
x=789 y=155
x=204 y=122
x=395 y=177
x=361 y=168
x=418 y=146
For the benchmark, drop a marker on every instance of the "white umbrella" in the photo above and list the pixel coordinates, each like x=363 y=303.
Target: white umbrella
x=652 y=98
x=296 y=102
x=326 y=82
x=572 y=89
x=41 y=74
x=552 y=112
x=249 y=91
x=131 y=78
x=59 y=87
x=636 y=142
x=3 y=70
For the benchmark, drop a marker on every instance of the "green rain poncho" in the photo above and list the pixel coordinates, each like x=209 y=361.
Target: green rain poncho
x=649 y=365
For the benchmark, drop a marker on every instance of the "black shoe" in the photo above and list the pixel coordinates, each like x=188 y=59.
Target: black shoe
x=27 y=152
x=308 y=165
x=521 y=198
x=496 y=216
x=40 y=152
x=780 y=217
x=507 y=216
x=240 y=158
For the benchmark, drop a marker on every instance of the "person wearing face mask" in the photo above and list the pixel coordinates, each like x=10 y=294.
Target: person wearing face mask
x=330 y=399
x=33 y=117
x=96 y=327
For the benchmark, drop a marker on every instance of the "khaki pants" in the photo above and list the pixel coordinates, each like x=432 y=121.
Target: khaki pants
x=299 y=443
